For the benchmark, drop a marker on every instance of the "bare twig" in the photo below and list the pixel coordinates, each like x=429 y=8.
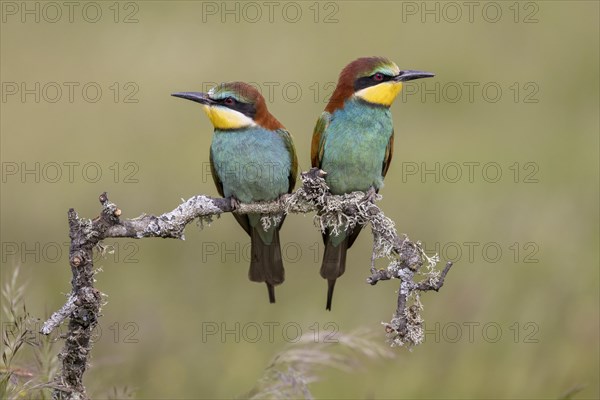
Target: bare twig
x=427 y=285
x=334 y=213
x=59 y=316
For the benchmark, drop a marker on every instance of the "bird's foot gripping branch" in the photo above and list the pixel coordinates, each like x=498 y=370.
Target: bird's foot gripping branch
x=332 y=212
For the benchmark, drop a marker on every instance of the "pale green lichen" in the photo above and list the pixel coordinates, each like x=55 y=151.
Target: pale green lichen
x=407 y=329
x=269 y=220
x=338 y=213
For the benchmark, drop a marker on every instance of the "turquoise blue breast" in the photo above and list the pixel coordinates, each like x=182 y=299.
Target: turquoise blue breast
x=355 y=144
x=253 y=164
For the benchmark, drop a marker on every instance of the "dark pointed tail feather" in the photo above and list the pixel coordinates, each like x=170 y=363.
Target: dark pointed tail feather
x=266 y=264
x=271 y=290
x=334 y=260
x=353 y=235
x=334 y=265
x=330 y=286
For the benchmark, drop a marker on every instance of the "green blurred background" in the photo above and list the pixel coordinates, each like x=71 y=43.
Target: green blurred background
x=540 y=133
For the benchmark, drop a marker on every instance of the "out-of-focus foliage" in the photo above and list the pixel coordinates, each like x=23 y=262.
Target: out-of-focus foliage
x=28 y=360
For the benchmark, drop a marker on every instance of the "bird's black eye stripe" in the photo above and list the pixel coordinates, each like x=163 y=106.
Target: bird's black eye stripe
x=371 y=80
x=247 y=109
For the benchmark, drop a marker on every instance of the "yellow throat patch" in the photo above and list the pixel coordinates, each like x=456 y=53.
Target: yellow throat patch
x=226 y=118
x=383 y=94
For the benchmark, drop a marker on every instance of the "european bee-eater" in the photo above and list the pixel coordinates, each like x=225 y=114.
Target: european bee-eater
x=252 y=158
x=353 y=142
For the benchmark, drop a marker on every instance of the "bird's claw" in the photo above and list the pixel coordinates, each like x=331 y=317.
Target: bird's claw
x=371 y=195
x=235 y=203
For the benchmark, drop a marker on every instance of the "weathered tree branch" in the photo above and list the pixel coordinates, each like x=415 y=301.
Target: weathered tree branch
x=335 y=213
x=59 y=316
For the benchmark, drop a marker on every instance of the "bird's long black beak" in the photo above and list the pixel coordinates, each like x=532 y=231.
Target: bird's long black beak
x=410 y=75
x=198 y=97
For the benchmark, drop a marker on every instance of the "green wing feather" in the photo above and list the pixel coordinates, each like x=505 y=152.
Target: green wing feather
x=240 y=218
x=318 y=139
x=389 y=152
x=213 y=172
x=289 y=145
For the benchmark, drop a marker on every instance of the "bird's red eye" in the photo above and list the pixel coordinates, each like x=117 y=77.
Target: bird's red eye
x=229 y=101
x=378 y=77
